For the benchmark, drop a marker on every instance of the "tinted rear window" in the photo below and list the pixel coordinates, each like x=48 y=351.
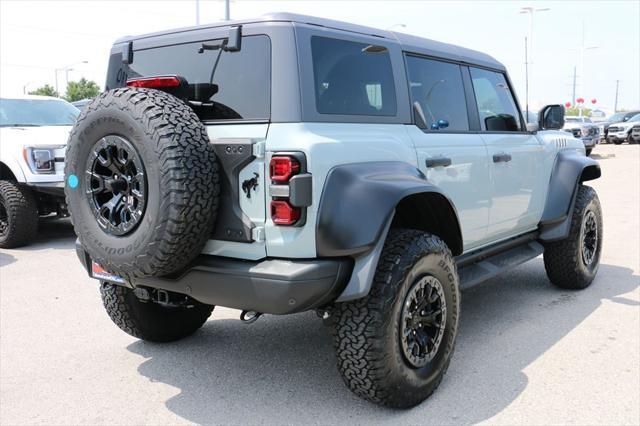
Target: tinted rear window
x=352 y=78
x=243 y=78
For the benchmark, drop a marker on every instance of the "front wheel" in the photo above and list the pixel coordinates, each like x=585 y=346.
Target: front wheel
x=394 y=346
x=588 y=151
x=18 y=215
x=148 y=320
x=572 y=263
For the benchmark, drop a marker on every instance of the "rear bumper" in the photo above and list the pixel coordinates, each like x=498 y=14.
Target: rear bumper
x=273 y=286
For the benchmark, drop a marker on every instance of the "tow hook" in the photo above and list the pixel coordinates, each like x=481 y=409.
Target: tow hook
x=249 y=317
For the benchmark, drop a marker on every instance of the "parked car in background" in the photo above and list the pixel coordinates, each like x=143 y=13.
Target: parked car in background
x=34 y=132
x=615 y=118
x=584 y=129
x=81 y=103
x=621 y=132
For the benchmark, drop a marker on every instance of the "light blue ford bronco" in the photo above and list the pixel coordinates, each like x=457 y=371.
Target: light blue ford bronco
x=289 y=163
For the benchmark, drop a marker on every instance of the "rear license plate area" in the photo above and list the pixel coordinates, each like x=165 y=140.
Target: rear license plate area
x=99 y=273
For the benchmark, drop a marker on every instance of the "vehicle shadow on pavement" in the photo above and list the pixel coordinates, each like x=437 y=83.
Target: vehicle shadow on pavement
x=6 y=259
x=282 y=369
x=53 y=233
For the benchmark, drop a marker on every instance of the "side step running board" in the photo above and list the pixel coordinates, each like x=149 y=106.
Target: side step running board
x=472 y=273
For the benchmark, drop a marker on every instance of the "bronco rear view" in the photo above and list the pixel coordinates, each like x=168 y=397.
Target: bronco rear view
x=290 y=163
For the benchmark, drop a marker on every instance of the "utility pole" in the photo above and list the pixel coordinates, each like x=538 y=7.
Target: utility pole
x=197 y=12
x=227 y=12
x=573 y=92
x=615 y=104
x=526 y=79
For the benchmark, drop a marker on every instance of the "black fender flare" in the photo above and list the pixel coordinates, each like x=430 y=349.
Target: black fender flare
x=359 y=200
x=570 y=169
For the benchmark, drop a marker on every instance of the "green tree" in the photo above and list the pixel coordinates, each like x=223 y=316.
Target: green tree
x=81 y=89
x=45 y=90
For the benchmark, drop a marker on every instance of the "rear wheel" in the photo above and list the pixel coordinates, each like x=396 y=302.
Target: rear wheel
x=18 y=215
x=148 y=320
x=394 y=346
x=572 y=263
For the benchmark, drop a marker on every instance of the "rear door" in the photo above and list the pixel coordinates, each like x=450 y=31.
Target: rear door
x=516 y=157
x=236 y=117
x=449 y=154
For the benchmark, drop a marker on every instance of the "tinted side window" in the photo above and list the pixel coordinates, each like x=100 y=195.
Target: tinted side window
x=243 y=78
x=437 y=87
x=498 y=111
x=352 y=78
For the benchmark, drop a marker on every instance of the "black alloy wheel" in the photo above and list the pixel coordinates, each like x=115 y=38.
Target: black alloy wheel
x=589 y=233
x=4 y=220
x=116 y=185
x=424 y=315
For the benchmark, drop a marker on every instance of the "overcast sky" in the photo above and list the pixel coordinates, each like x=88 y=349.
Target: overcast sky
x=36 y=37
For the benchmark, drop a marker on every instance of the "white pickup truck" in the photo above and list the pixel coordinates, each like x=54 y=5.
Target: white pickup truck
x=34 y=132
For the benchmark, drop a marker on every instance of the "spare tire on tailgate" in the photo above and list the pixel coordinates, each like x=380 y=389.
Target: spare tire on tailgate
x=142 y=182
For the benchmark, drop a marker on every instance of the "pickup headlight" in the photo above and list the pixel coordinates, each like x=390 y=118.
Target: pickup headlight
x=41 y=160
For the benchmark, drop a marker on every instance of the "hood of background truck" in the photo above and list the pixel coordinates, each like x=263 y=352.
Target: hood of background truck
x=35 y=136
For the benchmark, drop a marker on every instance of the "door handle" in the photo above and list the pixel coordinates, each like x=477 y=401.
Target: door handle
x=438 y=162
x=502 y=157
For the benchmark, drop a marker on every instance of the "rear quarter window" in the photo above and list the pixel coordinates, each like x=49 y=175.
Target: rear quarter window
x=352 y=78
x=243 y=78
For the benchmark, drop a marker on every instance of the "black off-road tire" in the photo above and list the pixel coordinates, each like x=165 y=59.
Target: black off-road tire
x=20 y=225
x=149 y=320
x=367 y=331
x=564 y=260
x=588 y=151
x=182 y=181
x=617 y=141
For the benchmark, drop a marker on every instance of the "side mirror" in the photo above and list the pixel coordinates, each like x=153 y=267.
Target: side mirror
x=551 y=117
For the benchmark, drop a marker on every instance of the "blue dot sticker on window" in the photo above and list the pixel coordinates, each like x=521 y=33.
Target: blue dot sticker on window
x=72 y=181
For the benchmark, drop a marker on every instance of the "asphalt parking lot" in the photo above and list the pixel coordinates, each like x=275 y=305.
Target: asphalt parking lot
x=527 y=352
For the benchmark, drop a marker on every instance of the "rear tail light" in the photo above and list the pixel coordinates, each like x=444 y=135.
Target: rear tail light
x=283 y=213
x=282 y=168
x=155 y=82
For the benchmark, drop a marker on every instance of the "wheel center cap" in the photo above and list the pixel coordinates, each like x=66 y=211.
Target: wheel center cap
x=117 y=186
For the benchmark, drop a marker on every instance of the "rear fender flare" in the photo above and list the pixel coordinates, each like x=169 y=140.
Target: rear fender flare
x=358 y=201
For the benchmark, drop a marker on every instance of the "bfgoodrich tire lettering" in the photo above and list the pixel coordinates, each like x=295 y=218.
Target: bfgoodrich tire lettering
x=367 y=331
x=181 y=181
x=572 y=263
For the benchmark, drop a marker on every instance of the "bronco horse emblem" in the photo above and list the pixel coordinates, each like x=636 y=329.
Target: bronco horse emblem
x=250 y=184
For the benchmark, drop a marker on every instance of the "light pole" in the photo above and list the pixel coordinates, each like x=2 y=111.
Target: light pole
x=227 y=12
x=530 y=11
x=66 y=69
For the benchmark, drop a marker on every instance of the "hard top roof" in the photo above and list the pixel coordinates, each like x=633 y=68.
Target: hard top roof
x=408 y=42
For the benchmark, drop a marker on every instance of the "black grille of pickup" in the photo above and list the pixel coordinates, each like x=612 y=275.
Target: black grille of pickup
x=576 y=133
